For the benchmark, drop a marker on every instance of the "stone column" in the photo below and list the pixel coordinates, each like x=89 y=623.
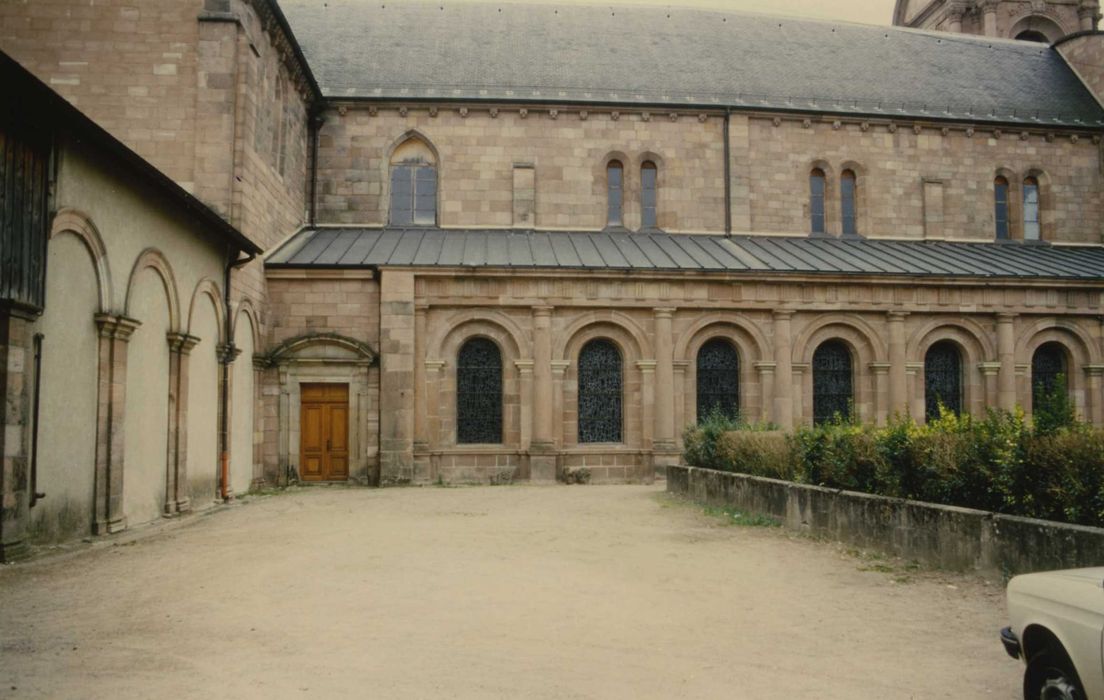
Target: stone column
x=883 y=375
x=420 y=435
x=955 y=11
x=176 y=484
x=914 y=373
x=681 y=398
x=542 y=460
x=783 y=365
x=433 y=409
x=260 y=364
x=989 y=374
x=559 y=374
x=647 y=404
x=396 y=376
x=16 y=354
x=525 y=403
x=664 y=437
x=1006 y=354
x=898 y=385
x=989 y=11
x=798 y=408
x=766 y=389
x=1088 y=14
x=115 y=332
x=1094 y=402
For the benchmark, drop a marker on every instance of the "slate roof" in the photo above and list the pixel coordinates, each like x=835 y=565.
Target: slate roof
x=433 y=247
x=671 y=57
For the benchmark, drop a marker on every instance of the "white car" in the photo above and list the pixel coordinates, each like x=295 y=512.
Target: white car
x=1058 y=630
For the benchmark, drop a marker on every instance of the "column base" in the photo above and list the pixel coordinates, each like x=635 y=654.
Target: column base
x=184 y=506
x=543 y=459
x=14 y=551
x=665 y=455
x=109 y=527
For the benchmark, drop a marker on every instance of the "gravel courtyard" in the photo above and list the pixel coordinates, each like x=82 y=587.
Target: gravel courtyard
x=518 y=592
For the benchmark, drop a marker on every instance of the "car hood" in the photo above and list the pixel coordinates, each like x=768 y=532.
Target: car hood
x=1085 y=586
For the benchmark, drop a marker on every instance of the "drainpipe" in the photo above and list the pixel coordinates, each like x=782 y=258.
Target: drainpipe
x=316 y=122
x=232 y=262
x=727 y=174
x=35 y=495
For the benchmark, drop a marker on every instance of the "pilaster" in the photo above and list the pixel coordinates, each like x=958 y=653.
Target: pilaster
x=115 y=333
x=176 y=484
x=421 y=437
x=783 y=363
x=664 y=381
x=898 y=384
x=1006 y=355
x=396 y=376
x=766 y=389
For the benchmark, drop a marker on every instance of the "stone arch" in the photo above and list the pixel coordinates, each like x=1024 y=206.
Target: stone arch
x=637 y=347
x=77 y=223
x=409 y=136
x=861 y=340
x=246 y=307
x=155 y=260
x=645 y=156
x=1080 y=351
x=297 y=347
x=209 y=288
x=413 y=135
x=509 y=335
x=751 y=347
x=1038 y=23
x=974 y=346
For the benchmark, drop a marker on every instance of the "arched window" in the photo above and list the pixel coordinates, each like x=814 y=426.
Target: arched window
x=833 y=390
x=648 y=192
x=615 y=187
x=413 y=185
x=1000 y=199
x=599 y=392
x=942 y=379
x=1048 y=372
x=479 y=393
x=847 y=203
x=1031 y=35
x=718 y=379
x=1031 y=209
x=817 y=185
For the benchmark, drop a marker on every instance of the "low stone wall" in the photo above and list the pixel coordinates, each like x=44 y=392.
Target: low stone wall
x=947 y=537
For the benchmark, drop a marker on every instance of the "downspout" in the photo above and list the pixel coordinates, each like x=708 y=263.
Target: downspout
x=727 y=173
x=315 y=123
x=35 y=495
x=232 y=262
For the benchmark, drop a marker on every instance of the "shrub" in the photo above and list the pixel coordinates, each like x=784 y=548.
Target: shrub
x=700 y=440
x=756 y=452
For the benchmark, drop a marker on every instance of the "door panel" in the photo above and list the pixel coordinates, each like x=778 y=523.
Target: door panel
x=324 y=437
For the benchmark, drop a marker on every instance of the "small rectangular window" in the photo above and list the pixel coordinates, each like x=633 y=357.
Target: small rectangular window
x=1031 y=211
x=816 y=201
x=1001 y=216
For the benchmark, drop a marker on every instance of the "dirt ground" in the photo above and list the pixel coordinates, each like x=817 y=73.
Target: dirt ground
x=518 y=592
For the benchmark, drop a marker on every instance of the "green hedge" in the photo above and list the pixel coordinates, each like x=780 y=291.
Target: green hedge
x=1053 y=470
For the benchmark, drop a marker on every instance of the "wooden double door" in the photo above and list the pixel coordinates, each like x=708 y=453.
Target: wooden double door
x=324 y=432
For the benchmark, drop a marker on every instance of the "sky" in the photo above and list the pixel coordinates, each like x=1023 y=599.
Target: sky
x=866 y=11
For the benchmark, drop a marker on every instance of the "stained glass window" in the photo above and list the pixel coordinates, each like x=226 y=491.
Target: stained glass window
x=648 y=191
x=413 y=194
x=817 y=185
x=1048 y=372
x=847 y=203
x=479 y=393
x=615 y=184
x=599 y=392
x=1031 y=209
x=833 y=390
x=1000 y=194
x=718 y=379
x=942 y=379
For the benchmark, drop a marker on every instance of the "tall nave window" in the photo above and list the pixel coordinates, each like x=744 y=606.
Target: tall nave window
x=648 y=194
x=413 y=185
x=818 y=183
x=847 y=203
x=615 y=190
x=1000 y=200
x=1031 y=209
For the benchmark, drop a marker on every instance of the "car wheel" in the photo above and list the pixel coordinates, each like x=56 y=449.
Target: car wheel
x=1050 y=676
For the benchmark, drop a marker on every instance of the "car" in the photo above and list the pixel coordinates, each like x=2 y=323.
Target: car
x=1057 y=629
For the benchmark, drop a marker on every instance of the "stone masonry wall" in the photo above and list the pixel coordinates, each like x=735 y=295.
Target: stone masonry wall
x=772 y=157
x=1086 y=55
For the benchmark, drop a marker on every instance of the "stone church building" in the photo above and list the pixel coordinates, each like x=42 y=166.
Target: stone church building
x=414 y=242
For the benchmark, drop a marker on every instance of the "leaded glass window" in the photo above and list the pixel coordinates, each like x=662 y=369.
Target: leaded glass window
x=817 y=186
x=599 y=392
x=1048 y=372
x=942 y=379
x=413 y=194
x=648 y=192
x=615 y=184
x=833 y=389
x=847 y=203
x=1000 y=195
x=479 y=393
x=718 y=379
x=1031 y=209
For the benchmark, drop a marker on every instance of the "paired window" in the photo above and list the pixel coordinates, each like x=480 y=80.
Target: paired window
x=615 y=194
x=413 y=185
x=1000 y=196
x=718 y=372
x=942 y=379
x=833 y=386
x=600 y=394
x=1031 y=209
x=1048 y=373
x=847 y=203
x=818 y=183
x=479 y=393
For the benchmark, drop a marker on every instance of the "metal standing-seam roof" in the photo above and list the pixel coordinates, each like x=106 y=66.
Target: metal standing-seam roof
x=353 y=248
x=573 y=53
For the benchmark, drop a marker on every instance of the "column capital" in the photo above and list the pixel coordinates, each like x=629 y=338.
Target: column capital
x=1094 y=370
x=227 y=353
x=560 y=366
x=914 y=367
x=646 y=365
x=434 y=365
x=765 y=367
x=800 y=367
x=897 y=315
x=1006 y=317
x=988 y=5
x=680 y=365
x=543 y=311
x=421 y=309
x=181 y=342
x=261 y=362
x=117 y=327
x=956 y=9
x=524 y=366
x=880 y=367
x=989 y=368
x=783 y=314
x=664 y=312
